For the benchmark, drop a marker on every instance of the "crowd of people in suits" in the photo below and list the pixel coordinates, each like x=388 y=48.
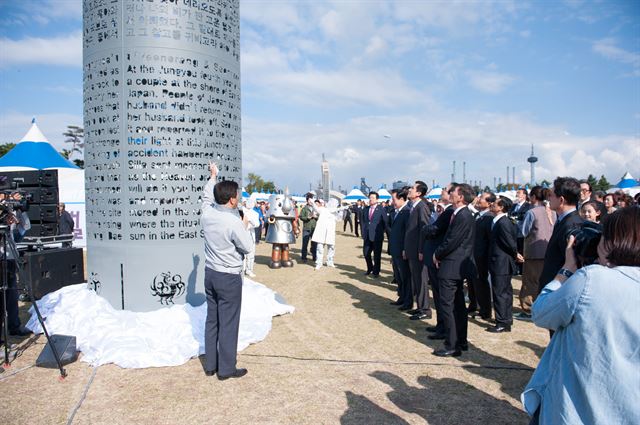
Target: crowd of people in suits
x=467 y=246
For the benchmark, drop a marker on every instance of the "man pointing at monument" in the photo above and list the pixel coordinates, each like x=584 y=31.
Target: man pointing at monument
x=225 y=243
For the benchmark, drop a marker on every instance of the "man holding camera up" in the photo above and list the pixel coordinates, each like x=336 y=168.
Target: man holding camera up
x=9 y=223
x=226 y=243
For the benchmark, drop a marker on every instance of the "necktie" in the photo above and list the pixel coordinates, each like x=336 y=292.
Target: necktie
x=452 y=217
x=371 y=210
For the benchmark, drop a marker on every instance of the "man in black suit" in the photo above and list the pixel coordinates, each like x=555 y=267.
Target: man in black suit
x=418 y=218
x=517 y=213
x=503 y=254
x=356 y=210
x=397 y=231
x=481 y=286
x=373 y=226
x=432 y=236
x=563 y=200
x=454 y=260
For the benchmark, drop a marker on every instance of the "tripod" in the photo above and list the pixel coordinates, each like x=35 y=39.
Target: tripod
x=7 y=243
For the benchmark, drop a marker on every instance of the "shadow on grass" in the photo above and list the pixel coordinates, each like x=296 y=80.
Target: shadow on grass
x=438 y=401
x=512 y=376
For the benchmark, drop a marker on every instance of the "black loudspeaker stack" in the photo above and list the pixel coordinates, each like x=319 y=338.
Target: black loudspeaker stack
x=42 y=186
x=51 y=269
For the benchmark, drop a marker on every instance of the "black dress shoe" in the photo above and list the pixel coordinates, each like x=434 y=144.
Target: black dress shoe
x=210 y=372
x=432 y=329
x=239 y=373
x=367 y=273
x=499 y=329
x=436 y=336
x=396 y=302
x=420 y=316
x=471 y=310
x=414 y=311
x=464 y=346
x=405 y=308
x=443 y=352
x=19 y=332
x=376 y=275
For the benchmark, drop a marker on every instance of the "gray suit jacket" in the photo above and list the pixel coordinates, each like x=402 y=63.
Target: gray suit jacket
x=418 y=218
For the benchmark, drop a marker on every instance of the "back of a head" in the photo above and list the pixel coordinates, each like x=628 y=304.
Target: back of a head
x=505 y=203
x=538 y=192
x=224 y=191
x=568 y=188
x=621 y=233
x=421 y=187
x=467 y=193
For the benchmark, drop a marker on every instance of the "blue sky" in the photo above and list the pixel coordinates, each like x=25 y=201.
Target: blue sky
x=467 y=81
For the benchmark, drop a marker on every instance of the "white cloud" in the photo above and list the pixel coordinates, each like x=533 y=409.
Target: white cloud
x=489 y=81
x=424 y=145
x=607 y=47
x=63 y=50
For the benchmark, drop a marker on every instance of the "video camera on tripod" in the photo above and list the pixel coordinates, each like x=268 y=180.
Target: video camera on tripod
x=12 y=198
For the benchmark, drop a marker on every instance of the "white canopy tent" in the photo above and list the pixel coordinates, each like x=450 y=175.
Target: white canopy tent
x=34 y=152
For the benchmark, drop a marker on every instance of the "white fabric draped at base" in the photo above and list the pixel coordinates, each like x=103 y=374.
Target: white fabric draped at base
x=165 y=337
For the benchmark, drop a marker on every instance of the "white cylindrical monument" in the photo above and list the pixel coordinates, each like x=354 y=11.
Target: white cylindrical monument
x=161 y=99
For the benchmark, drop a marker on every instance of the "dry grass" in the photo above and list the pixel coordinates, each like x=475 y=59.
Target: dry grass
x=345 y=356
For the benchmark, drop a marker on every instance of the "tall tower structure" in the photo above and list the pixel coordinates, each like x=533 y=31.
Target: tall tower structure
x=464 y=171
x=453 y=174
x=161 y=99
x=326 y=179
x=532 y=160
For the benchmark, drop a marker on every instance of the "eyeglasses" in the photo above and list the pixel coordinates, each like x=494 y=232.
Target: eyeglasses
x=584 y=190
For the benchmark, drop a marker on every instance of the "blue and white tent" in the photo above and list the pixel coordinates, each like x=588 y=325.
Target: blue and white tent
x=34 y=152
x=434 y=193
x=355 y=195
x=627 y=184
x=383 y=194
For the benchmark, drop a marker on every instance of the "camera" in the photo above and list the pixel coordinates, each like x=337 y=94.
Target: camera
x=586 y=243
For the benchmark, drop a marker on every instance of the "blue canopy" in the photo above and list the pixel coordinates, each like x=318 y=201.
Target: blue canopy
x=34 y=151
x=627 y=181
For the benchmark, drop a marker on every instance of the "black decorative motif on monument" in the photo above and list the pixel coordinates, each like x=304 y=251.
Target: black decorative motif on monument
x=167 y=286
x=94 y=283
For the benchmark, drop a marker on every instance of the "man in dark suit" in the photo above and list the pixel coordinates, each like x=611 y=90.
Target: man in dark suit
x=373 y=226
x=503 y=253
x=517 y=213
x=481 y=286
x=418 y=218
x=563 y=200
x=397 y=231
x=357 y=214
x=454 y=261
x=432 y=236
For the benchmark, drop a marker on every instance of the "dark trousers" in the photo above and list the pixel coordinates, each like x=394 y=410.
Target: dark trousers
x=357 y=227
x=224 y=299
x=12 y=298
x=482 y=288
x=502 y=298
x=419 y=284
x=403 y=277
x=258 y=233
x=375 y=248
x=344 y=224
x=435 y=288
x=306 y=237
x=454 y=312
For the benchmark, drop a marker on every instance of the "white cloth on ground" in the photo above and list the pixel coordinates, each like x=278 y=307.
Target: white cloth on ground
x=165 y=337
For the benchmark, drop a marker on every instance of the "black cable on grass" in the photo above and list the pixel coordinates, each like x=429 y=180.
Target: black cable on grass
x=357 y=362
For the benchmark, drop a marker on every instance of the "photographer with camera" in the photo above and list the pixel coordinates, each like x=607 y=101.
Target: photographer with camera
x=589 y=372
x=12 y=219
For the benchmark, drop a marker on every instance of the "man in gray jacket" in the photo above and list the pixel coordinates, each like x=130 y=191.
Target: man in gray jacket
x=226 y=242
